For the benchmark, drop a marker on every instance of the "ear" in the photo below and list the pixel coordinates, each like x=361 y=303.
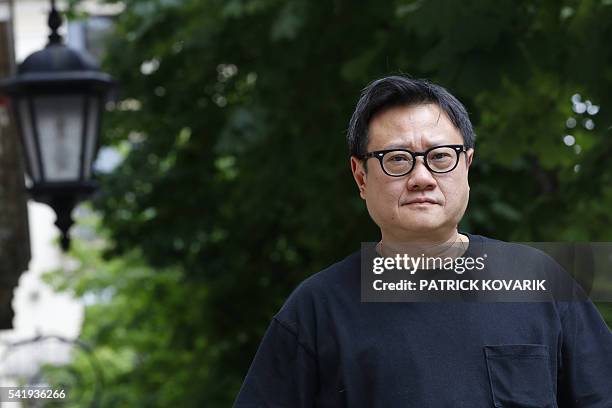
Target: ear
x=469 y=156
x=359 y=174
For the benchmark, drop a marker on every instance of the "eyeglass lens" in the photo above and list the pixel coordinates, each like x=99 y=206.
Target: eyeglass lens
x=440 y=160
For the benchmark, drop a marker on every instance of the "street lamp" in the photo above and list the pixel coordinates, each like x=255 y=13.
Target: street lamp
x=58 y=97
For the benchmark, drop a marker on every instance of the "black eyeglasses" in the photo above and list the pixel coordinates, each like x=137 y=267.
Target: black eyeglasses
x=399 y=162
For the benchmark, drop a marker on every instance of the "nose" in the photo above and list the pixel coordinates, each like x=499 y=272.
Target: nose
x=420 y=178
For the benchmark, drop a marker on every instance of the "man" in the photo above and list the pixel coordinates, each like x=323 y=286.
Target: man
x=411 y=145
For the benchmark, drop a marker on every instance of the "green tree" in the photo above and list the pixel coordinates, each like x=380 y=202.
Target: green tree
x=235 y=175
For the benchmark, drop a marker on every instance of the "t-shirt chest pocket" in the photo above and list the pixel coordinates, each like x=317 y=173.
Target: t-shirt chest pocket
x=519 y=376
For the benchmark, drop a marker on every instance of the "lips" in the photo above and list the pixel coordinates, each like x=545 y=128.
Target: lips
x=422 y=200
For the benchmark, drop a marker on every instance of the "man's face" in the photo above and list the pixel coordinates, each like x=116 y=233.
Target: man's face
x=390 y=199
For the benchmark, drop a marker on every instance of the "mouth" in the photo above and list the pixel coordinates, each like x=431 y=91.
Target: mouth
x=421 y=201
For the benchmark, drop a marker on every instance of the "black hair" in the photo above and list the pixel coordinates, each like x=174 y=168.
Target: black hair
x=398 y=90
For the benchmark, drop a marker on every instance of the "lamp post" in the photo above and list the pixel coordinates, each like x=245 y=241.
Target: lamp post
x=58 y=97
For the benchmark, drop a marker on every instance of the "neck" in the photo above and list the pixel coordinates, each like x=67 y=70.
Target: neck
x=451 y=245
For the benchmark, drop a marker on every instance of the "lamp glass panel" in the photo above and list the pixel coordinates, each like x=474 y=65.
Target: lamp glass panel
x=59 y=121
x=92 y=131
x=24 y=116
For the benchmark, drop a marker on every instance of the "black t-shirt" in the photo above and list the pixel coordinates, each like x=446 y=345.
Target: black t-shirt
x=326 y=348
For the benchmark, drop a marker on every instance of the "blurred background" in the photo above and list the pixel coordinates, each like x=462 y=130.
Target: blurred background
x=224 y=177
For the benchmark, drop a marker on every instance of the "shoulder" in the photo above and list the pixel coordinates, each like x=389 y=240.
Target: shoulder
x=552 y=262
x=511 y=251
x=316 y=294
x=342 y=272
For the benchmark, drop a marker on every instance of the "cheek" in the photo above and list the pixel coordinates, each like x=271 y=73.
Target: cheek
x=386 y=192
x=455 y=192
x=382 y=198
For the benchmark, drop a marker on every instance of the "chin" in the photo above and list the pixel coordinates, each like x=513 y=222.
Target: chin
x=422 y=221
x=423 y=228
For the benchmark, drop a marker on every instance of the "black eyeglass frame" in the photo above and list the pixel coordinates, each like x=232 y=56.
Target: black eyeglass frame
x=380 y=154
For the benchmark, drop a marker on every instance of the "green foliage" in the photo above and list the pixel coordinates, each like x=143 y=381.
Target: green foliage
x=236 y=185
x=606 y=311
x=127 y=318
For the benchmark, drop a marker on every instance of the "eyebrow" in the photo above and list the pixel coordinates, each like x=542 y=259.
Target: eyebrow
x=427 y=146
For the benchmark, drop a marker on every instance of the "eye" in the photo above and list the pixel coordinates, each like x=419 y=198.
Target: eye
x=440 y=156
x=398 y=157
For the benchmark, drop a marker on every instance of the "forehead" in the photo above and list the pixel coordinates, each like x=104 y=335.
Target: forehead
x=414 y=125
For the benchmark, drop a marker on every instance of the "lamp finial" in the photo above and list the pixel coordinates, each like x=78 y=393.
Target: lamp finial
x=54 y=22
